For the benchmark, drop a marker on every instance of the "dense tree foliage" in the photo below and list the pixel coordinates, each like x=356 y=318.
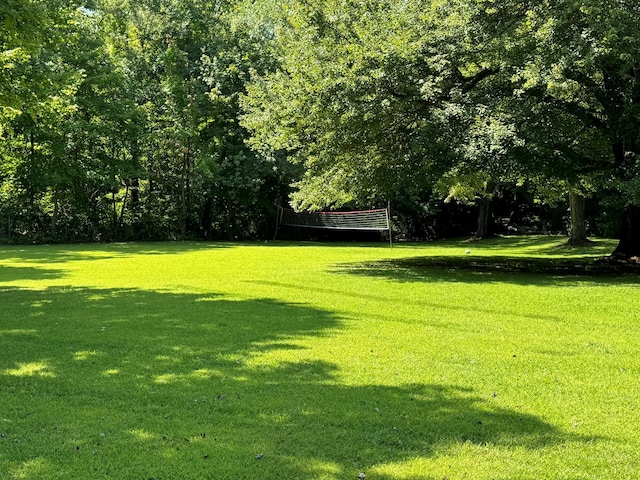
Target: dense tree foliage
x=176 y=119
x=380 y=97
x=123 y=125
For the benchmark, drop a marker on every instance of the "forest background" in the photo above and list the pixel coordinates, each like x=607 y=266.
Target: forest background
x=197 y=119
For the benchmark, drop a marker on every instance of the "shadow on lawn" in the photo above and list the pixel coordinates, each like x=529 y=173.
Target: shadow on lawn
x=97 y=251
x=517 y=270
x=134 y=384
x=9 y=273
x=540 y=244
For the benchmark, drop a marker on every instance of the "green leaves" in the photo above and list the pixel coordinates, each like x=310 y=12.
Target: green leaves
x=189 y=109
x=371 y=89
x=443 y=87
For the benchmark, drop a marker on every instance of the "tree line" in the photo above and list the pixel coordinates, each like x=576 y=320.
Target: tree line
x=161 y=119
x=119 y=121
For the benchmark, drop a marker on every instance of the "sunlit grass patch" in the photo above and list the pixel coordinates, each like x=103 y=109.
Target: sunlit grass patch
x=30 y=369
x=318 y=361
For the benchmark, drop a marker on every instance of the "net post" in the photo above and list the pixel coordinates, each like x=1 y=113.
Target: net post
x=375 y=219
x=389 y=223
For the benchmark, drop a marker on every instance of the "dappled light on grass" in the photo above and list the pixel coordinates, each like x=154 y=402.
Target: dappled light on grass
x=33 y=468
x=184 y=380
x=171 y=361
x=538 y=245
x=142 y=435
x=84 y=355
x=31 y=369
x=198 y=374
x=48 y=254
x=18 y=331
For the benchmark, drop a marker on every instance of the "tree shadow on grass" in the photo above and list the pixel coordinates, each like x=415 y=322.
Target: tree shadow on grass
x=97 y=251
x=133 y=384
x=501 y=269
x=547 y=244
x=10 y=273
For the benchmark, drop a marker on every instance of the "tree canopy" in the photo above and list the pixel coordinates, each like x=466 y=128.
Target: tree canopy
x=119 y=121
x=376 y=97
x=196 y=119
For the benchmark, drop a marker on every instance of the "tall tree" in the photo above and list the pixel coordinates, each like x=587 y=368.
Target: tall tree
x=188 y=62
x=356 y=100
x=578 y=64
x=374 y=92
x=119 y=121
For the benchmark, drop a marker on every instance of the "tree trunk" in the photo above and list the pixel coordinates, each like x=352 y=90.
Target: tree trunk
x=207 y=218
x=578 y=227
x=629 y=245
x=54 y=217
x=135 y=207
x=185 y=186
x=484 y=204
x=483 y=217
x=114 y=204
x=123 y=208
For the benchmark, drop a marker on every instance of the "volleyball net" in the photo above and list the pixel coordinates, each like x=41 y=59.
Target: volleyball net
x=372 y=220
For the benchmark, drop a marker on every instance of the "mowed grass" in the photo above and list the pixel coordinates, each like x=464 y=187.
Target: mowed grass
x=307 y=361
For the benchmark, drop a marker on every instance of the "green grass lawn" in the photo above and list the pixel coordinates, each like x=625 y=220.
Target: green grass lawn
x=307 y=361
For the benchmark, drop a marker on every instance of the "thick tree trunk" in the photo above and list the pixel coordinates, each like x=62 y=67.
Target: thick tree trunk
x=578 y=227
x=629 y=245
x=483 y=218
